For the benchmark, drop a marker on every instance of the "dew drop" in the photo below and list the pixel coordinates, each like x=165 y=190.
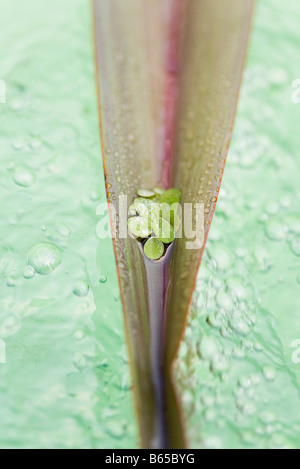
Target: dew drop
x=64 y=230
x=275 y=230
x=224 y=300
x=236 y=286
x=267 y=417
x=239 y=325
x=103 y=279
x=293 y=223
x=208 y=347
x=210 y=415
x=78 y=335
x=94 y=195
x=249 y=408
x=295 y=246
x=17 y=145
x=215 y=320
x=278 y=76
x=81 y=288
x=23 y=176
x=270 y=374
x=245 y=382
x=223 y=257
x=10 y=282
x=44 y=258
x=35 y=144
x=116 y=294
x=220 y=364
x=16 y=105
x=79 y=361
x=28 y=272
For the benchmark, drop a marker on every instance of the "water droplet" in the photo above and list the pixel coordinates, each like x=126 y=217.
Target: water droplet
x=94 y=195
x=295 y=246
x=270 y=374
x=255 y=379
x=17 y=145
x=293 y=223
x=223 y=257
x=28 y=272
x=249 y=408
x=263 y=258
x=81 y=288
x=116 y=294
x=208 y=347
x=278 y=441
x=210 y=415
x=245 y=382
x=220 y=364
x=16 y=105
x=215 y=320
x=44 y=258
x=278 y=76
x=78 y=335
x=272 y=208
x=236 y=286
x=267 y=417
x=115 y=429
x=63 y=230
x=212 y=442
x=11 y=325
x=275 y=230
x=10 y=282
x=239 y=324
x=23 y=176
x=35 y=144
x=249 y=437
x=79 y=361
x=224 y=300
x=103 y=279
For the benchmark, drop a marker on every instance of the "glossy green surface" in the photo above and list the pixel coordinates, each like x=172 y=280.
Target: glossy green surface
x=65 y=383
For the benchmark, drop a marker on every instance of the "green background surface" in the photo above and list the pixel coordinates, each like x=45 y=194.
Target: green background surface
x=65 y=382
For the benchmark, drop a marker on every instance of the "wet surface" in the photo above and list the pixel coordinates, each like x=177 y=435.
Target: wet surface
x=64 y=373
x=239 y=365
